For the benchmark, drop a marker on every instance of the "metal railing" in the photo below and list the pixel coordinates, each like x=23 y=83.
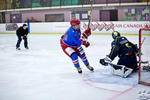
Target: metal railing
x=19 y=4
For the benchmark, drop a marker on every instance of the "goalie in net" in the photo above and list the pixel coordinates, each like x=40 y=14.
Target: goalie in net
x=127 y=53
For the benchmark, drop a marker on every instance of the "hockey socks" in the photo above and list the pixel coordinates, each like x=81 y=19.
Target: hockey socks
x=74 y=58
x=84 y=59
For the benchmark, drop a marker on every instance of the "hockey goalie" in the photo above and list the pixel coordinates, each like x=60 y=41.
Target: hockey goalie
x=126 y=51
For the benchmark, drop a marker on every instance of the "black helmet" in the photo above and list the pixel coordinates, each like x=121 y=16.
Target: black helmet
x=24 y=25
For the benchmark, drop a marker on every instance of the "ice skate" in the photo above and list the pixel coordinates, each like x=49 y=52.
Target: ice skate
x=27 y=48
x=18 y=48
x=146 y=68
x=79 y=70
x=90 y=68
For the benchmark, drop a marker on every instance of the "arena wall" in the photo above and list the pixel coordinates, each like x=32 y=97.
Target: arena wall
x=98 y=28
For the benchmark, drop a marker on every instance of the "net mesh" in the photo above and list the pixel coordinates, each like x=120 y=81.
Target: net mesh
x=144 y=56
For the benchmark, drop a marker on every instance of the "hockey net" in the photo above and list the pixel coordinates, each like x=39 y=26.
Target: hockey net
x=144 y=56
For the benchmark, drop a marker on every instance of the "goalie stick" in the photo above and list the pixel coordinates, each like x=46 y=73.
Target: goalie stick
x=114 y=65
x=143 y=41
x=120 y=66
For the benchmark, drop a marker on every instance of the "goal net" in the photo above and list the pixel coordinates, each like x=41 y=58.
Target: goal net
x=144 y=56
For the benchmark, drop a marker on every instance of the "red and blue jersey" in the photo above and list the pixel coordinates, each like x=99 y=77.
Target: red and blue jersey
x=72 y=37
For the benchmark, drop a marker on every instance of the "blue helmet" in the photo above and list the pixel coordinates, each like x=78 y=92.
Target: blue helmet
x=115 y=34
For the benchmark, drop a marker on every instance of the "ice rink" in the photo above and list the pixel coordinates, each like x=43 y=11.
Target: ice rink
x=44 y=72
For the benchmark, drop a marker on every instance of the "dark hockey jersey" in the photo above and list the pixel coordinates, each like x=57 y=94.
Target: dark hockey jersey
x=21 y=32
x=122 y=47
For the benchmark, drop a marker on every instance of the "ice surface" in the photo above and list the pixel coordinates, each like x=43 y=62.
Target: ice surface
x=44 y=72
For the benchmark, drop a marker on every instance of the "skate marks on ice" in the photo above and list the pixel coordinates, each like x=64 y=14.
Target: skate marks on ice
x=103 y=79
x=11 y=51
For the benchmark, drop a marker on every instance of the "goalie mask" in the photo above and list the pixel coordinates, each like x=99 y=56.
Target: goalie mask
x=115 y=34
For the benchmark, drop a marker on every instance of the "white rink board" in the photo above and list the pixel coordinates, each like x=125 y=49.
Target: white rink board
x=125 y=27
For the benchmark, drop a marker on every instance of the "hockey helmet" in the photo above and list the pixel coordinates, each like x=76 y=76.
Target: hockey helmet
x=74 y=22
x=115 y=34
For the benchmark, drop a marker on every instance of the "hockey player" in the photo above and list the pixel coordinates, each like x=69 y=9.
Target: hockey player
x=22 y=33
x=126 y=51
x=71 y=43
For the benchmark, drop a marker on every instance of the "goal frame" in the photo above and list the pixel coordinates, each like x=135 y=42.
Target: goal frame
x=140 y=47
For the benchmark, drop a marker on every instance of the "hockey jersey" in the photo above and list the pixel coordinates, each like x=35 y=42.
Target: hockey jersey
x=122 y=47
x=21 y=32
x=72 y=37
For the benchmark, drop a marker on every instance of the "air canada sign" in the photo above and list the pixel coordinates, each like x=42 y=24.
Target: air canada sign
x=129 y=25
x=109 y=26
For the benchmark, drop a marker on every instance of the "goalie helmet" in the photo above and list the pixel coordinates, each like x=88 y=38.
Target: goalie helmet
x=115 y=34
x=74 y=22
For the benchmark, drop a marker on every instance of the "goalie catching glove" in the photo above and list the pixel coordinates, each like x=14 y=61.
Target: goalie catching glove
x=87 y=33
x=24 y=37
x=105 y=61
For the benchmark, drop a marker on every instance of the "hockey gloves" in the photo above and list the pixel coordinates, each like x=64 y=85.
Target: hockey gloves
x=85 y=43
x=87 y=33
x=24 y=37
x=105 y=61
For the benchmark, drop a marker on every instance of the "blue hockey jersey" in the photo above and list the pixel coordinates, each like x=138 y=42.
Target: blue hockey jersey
x=72 y=37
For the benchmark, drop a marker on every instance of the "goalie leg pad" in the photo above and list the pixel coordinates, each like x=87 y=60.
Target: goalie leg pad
x=127 y=71
x=121 y=70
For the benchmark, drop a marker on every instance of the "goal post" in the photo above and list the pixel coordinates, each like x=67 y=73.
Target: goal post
x=144 y=55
